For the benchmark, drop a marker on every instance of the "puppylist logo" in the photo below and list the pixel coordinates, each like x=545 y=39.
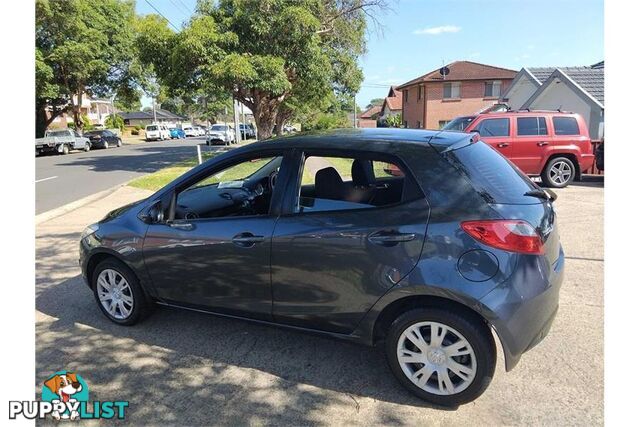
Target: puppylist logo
x=65 y=396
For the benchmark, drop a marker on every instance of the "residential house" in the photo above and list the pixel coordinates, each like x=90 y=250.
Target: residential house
x=392 y=104
x=96 y=109
x=143 y=118
x=432 y=100
x=576 y=89
x=369 y=118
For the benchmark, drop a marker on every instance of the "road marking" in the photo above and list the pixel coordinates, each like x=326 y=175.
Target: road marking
x=45 y=179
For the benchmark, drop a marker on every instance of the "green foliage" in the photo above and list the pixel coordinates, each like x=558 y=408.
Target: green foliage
x=394 y=121
x=114 y=121
x=375 y=101
x=84 y=46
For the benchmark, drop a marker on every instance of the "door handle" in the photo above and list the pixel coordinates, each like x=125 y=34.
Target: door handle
x=246 y=240
x=181 y=225
x=390 y=239
x=542 y=143
x=503 y=145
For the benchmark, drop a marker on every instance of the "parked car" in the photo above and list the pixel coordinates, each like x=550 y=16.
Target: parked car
x=103 y=139
x=221 y=135
x=189 y=131
x=426 y=264
x=289 y=128
x=61 y=141
x=157 y=132
x=550 y=144
x=177 y=133
x=247 y=131
x=201 y=131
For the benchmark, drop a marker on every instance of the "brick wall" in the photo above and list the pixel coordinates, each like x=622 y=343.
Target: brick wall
x=438 y=109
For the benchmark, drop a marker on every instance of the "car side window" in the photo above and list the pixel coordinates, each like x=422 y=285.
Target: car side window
x=566 y=126
x=242 y=189
x=494 y=127
x=344 y=183
x=528 y=126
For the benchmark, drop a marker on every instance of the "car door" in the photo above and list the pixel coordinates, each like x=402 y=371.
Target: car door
x=496 y=131
x=530 y=143
x=77 y=142
x=219 y=263
x=333 y=258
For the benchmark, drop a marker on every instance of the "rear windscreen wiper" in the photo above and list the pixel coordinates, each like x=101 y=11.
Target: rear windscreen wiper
x=542 y=194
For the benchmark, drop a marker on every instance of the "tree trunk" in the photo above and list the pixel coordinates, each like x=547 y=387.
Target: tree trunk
x=266 y=110
x=281 y=118
x=77 y=114
x=42 y=121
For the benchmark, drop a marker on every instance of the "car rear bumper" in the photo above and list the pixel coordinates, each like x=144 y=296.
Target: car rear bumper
x=523 y=309
x=586 y=161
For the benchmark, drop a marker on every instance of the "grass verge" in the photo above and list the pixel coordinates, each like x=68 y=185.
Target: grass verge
x=156 y=180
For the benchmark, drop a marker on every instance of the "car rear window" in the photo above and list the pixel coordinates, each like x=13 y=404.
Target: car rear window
x=492 y=175
x=566 y=126
x=152 y=127
x=459 y=123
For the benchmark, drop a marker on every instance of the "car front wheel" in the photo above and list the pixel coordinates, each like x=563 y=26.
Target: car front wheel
x=558 y=173
x=118 y=293
x=441 y=356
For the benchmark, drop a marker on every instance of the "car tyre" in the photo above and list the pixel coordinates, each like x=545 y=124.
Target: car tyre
x=65 y=149
x=558 y=172
x=456 y=329
x=140 y=307
x=87 y=147
x=106 y=144
x=119 y=143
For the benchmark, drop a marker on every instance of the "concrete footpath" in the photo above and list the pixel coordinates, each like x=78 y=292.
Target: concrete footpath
x=186 y=368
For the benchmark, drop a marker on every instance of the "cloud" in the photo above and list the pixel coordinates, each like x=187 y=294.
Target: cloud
x=434 y=31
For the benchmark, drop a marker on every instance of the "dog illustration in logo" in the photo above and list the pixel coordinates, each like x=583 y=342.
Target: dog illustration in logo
x=65 y=386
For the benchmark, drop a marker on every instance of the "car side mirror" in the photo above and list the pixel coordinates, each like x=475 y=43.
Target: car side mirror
x=474 y=131
x=153 y=214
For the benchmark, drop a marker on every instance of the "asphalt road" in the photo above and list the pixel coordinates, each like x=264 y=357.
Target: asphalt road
x=64 y=179
x=185 y=368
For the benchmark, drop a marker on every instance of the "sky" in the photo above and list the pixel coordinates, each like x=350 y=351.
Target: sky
x=418 y=36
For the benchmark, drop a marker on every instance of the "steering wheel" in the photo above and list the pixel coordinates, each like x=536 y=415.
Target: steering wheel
x=272 y=180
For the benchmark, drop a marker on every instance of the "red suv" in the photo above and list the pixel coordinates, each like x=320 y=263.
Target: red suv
x=550 y=144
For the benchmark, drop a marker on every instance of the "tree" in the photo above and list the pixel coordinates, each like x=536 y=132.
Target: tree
x=114 y=121
x=374 y=102
x=82 y=46
x=272 y=53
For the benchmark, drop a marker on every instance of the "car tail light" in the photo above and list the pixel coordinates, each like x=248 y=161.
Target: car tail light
x=509 y=235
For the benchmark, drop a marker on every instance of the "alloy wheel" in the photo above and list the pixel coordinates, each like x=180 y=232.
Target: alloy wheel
x=560 y=172
x=115 y=294
x=436 y=358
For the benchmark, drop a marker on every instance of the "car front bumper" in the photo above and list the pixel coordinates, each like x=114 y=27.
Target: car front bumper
x=523 y=310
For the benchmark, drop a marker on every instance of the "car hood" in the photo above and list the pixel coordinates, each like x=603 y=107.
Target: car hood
x=121 y=210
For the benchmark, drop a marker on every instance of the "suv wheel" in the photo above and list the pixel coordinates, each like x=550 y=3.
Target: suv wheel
x=118 y=293
x=558 y=173
x=87 y=147
x=65 y=149
x=441 y=356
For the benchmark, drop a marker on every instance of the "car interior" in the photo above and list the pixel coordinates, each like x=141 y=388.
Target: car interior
x=327 y=184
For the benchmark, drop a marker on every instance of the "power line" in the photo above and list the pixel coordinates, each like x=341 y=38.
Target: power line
x=185 y=6
x=181 y=5
x=160 y=13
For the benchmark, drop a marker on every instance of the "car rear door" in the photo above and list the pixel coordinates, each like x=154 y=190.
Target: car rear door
x=332 y=259
x=531 y=142
x=496 y=131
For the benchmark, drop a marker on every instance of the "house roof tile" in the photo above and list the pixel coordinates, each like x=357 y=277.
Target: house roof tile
x=590 y=79
x=465 y=70
x=367 y=114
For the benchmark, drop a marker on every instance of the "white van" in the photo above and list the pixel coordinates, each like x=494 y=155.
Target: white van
x=156 y=132
x=189 y=130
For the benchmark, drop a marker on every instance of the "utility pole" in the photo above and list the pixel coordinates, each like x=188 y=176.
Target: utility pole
x=236 y=119
x=153 y=101
x=355 y=112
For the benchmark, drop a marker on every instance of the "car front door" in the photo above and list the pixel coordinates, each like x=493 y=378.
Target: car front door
x=210 y=253
x=335 y=254
x=530 y=143
x=497 y=133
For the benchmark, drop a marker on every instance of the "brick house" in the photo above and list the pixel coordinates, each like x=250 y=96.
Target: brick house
x=392 y=104
x=432 y=100
x=369 y=117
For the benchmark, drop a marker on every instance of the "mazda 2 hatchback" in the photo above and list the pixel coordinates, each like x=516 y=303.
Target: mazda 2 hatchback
x=420 y=241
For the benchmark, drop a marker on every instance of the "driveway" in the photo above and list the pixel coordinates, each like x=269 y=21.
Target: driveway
x=187 y=368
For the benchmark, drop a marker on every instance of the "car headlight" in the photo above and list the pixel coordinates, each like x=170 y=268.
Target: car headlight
x=89 y=231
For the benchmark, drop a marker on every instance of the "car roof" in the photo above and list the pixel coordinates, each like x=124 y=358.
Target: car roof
x=365 y=139
x=525 y=112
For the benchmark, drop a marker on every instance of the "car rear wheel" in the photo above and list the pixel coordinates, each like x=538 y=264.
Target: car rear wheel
x=119 y=143
x=441 y=356
x=87 y=147
x=118 y=293
x=65 y=149
x=558 y=173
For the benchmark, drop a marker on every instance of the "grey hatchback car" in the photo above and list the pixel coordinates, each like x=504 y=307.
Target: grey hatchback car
x=421 y=241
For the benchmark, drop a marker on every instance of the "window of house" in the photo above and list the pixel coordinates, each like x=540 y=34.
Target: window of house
x=532 y=126
x=492 y=89
x=405 y=94
x=451 y=90
x=343 y=183
x=442 y=123
x=494 y=127
x=420 y=88
x=404 y=124
x=419 y=125
x=566 y=126
x=243 y=189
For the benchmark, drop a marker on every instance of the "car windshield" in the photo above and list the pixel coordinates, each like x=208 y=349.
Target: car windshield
x=58 y=133
x=152 y=127
x=219 y=127
x=93 y=132
x=459 y=123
